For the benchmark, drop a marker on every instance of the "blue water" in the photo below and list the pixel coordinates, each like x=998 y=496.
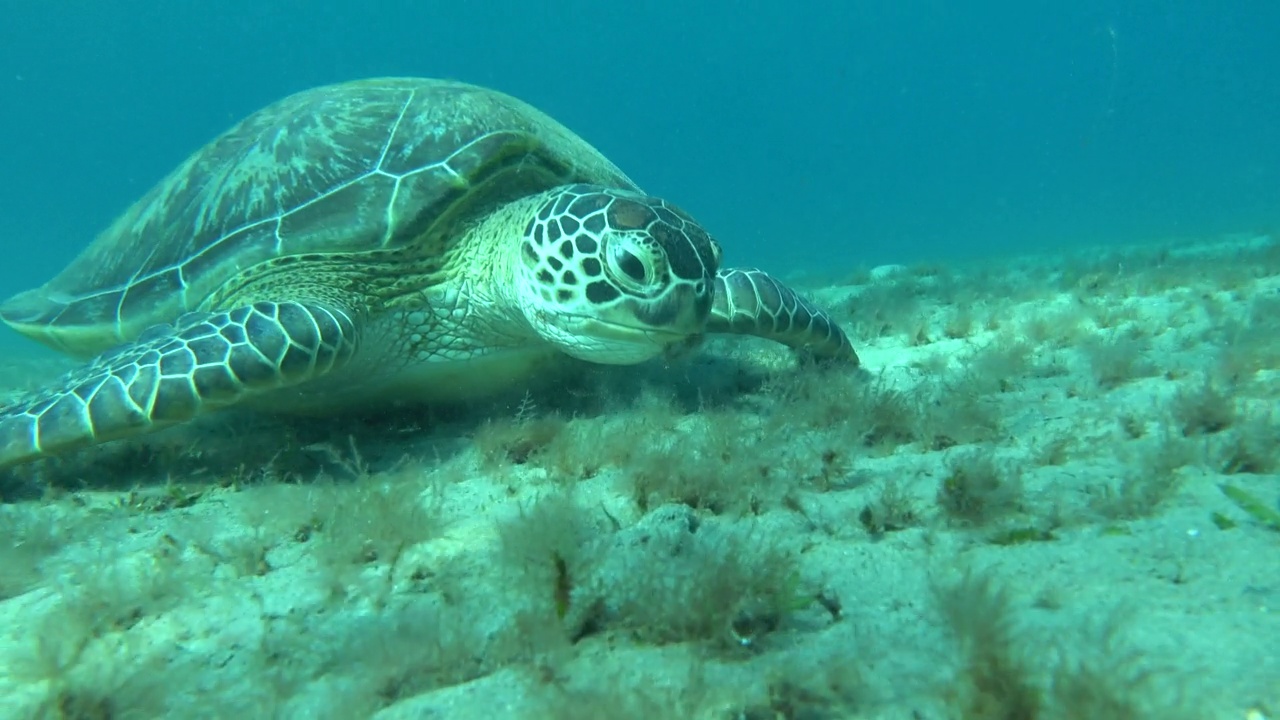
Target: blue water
x=805 y=134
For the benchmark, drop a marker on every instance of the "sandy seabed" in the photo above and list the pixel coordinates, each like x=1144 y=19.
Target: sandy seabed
x=1050 y=491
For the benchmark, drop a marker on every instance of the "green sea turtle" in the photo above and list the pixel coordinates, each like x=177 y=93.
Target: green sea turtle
x=377 y=241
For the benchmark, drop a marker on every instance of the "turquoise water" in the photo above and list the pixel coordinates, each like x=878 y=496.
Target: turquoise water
x=800 y=133
x=1049 y=491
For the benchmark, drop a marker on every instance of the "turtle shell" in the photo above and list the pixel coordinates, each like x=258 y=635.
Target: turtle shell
x=352 y=168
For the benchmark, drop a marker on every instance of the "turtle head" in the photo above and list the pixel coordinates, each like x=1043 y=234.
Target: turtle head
x=615 y=277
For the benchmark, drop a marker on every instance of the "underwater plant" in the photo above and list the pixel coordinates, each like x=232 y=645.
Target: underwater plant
x=1205 y=408
x=1006 y=669
x=1116 y=359
x=890 y=510
x=976 y=489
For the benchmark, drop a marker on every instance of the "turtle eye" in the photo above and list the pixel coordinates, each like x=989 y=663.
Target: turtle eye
x=630 y=266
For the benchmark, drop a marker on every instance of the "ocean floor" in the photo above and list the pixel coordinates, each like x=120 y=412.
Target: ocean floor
x=1050 y=492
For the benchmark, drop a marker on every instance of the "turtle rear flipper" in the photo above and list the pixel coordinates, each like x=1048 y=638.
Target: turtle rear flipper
x=751 y=302
x=173 y=373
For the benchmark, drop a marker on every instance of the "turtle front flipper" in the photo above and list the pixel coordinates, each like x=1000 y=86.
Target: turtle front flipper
x=172 y=373
x=750 y=302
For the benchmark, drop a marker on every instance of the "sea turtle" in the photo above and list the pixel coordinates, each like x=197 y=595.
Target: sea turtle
x=377 y=241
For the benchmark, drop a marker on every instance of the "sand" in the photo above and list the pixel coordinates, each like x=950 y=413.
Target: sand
x=1049 y=492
